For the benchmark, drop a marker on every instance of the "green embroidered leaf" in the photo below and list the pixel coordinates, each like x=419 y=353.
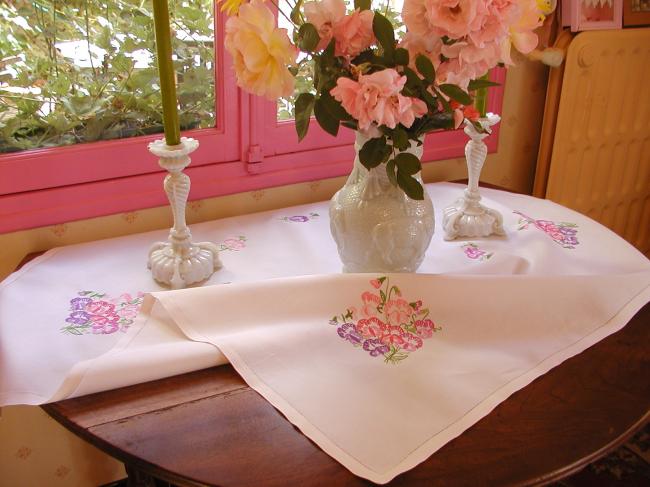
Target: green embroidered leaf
x=374 y=152
x=325 y=119
x=383 y=295
x=410 y=185
x=455 y=93
x=304 y=107
x=383 y=30
x=407 y=164
x=425 y=67
x=308 y=37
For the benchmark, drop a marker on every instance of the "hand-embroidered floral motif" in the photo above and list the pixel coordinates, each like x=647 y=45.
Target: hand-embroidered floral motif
x=233 y=243
x=387 y=325
x=472 y=251
x=98 y=314
x=300 y=218
x=562 y=233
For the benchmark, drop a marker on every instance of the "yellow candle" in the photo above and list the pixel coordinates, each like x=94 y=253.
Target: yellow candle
x=166 y=72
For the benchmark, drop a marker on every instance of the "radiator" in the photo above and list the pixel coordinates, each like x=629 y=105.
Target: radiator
x=599 y=160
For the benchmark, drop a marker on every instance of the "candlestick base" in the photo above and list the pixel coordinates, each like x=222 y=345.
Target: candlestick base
x=179 y=262
x=466 y=217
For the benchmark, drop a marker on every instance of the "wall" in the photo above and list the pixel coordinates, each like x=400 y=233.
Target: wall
x=35 y=451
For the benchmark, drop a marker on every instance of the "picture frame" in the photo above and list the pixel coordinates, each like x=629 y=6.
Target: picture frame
x=636 y=12
x=592 y=14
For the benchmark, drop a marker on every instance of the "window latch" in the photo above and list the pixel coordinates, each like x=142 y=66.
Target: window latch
x=255 y=159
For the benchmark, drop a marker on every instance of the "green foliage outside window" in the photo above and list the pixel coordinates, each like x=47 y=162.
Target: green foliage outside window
x=108 y=87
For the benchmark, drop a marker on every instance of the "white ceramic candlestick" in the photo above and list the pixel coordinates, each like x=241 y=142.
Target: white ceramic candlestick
x=179 y=262
x=467 y=217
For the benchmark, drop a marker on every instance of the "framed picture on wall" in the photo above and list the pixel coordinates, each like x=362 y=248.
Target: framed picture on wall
x=593 y=14
x=636 y=12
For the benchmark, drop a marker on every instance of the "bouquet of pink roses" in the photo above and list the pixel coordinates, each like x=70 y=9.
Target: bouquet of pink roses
x=393 y=88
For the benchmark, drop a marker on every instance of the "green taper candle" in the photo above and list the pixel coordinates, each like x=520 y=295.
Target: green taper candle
x=166 y=72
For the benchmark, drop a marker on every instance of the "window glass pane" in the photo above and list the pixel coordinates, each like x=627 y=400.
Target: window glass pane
x=286 y=106
x=82 y=70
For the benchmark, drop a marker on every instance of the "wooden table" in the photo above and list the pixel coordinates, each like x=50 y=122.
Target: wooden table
x=209 y=427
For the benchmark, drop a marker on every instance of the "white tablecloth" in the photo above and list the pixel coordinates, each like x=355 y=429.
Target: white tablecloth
x=68 y=322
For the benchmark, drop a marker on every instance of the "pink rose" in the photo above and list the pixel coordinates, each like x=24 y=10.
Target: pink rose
x=397 y=311
x=499 y=16
x=451 y=18
x=323 y=15
x=261 y=52
x=376 y=98
x=353 y=33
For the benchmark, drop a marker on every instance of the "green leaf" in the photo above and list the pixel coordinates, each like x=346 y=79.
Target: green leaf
x=400 y=139
x=308 y=37
x=122 y=63
x=334 y=107
x=401 y=56
x=410 y=185
x=412 y=79
x=296 y=15
x=383 y=30
x=374 y=152
x=362 y=4
x=407 y=163
x=476 y=84
x=425 y=67
x=304 y=107
x=390 y=172
x=455 y=93
x=325 y=119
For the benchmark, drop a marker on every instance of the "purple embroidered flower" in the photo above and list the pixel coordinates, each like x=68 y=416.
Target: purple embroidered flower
x=348 y=332
x=568 y=230
x=375 y=347
x=100 y=314
x=79 y=303
x=78 y=318
x=298 y=218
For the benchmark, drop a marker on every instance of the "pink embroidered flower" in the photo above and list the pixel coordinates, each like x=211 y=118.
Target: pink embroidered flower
x=397 y=311
x=411 y=342
x=425 y=328
x=375 y=283
x=353 y=33
x=324 y=15
x=371 y=327
x=473 y=252
x=100 y=307
x=394 y=335
x=370 y=303
x=234 y=243
x=105 y=328
x=376 y=98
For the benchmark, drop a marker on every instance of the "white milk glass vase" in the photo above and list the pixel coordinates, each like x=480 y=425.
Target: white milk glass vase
x=376 y=226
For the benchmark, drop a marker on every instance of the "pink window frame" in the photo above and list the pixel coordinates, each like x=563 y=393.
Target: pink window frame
x=249 y=149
